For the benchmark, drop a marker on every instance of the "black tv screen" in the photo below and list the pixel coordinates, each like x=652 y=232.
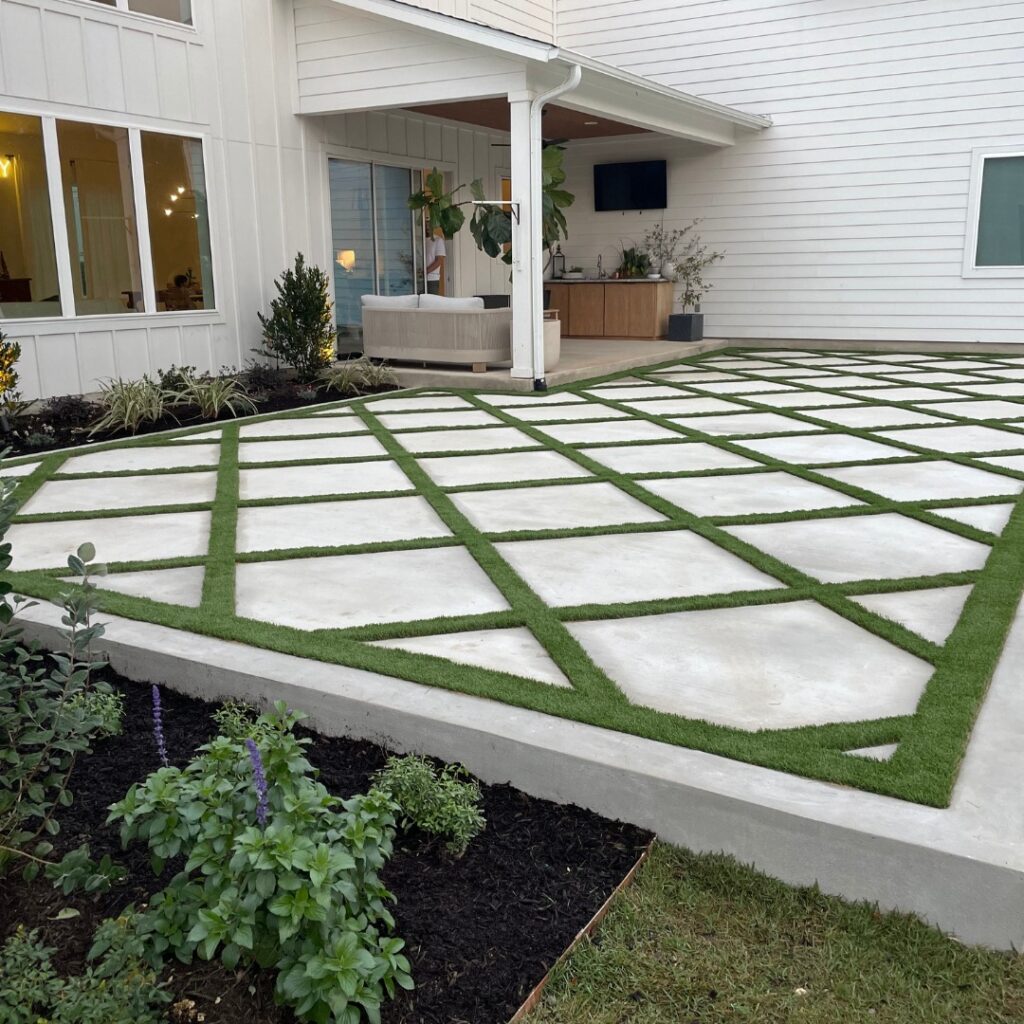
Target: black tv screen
x=633 y=186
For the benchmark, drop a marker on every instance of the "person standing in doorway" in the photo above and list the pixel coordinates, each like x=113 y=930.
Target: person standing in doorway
x=434 y=254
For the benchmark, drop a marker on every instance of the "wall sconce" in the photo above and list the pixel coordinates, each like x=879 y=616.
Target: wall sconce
x=346 y=260
x=6 y=165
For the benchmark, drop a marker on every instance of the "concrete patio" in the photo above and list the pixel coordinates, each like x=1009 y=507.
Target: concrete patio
x=754 y=601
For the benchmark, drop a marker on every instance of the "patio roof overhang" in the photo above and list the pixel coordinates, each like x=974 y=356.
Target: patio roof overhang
x=385 y=54
x=515 y=64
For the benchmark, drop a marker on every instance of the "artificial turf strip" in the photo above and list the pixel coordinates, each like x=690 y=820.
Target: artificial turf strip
x=219 y=578
x=703 y=940
x=816 y=751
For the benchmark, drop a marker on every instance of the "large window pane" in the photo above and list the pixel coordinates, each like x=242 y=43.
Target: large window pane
x=396 y=272
x=352 y=232
x=28 y=265
x=1001 y=218
x=179 y=226
x=98 y=206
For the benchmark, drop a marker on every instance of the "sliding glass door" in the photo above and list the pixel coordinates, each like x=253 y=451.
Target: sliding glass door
x=376 y=237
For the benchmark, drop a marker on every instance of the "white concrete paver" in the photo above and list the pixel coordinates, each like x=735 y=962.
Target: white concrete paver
x=918 y=481
x=773 y=666
x=118 y=460
x=356 y=590
x=314 y=479
x=336 y=523
x=886 y=546
x=635 y=567
x=122 y=492
x=554 y=507
x=465 y=470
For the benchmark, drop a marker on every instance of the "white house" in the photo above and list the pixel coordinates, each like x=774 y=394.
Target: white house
x=861 y=164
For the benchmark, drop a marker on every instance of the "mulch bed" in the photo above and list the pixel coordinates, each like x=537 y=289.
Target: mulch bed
x=481 y=931
x=66 y=422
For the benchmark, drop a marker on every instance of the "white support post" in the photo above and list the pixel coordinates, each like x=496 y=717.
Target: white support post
x=525 y=238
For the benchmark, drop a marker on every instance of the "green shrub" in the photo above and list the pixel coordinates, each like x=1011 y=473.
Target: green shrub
x=445 y=803
x=277 y=872
x=299 y=330
x=130 y=404
x=104 y=706
x=120 y=989
x=48 y=715
x=241 y=721
x=358 y=376
x=11 y=404
x=213 y=395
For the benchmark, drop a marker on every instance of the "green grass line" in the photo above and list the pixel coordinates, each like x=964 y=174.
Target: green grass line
x=219 y=578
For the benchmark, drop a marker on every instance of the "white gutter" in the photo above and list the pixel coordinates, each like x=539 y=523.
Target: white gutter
x=537 y=220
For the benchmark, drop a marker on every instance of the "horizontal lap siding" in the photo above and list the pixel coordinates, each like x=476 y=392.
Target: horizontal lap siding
x=532 y=18
x=348 y=61
x=847 y=218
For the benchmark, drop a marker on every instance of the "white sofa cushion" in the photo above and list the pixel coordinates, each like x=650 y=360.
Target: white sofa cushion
x=389 y=301
x=448 y=303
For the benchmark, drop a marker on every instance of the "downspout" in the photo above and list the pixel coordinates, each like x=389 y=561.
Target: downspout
x=537 y=219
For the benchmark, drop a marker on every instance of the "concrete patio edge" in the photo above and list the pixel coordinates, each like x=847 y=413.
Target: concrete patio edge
x=953 y=867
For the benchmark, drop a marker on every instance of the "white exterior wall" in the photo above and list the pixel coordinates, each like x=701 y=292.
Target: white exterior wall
x=848 y=218
x=532 y=18
x=231 y=80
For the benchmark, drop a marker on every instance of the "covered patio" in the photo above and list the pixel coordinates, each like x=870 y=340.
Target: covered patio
x=527 y=94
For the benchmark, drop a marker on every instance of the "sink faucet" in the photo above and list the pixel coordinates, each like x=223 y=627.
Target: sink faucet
x=600 y=268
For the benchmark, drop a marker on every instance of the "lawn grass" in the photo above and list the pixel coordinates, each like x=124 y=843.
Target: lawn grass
x=703 y=940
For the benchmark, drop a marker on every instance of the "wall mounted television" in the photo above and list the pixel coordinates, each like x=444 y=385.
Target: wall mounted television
x=633 y=186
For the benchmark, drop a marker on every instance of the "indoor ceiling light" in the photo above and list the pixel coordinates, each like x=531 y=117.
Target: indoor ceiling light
x=181 y=190
x=346 y=259
x=590 y=122
x=174 y=198
x=167 y=211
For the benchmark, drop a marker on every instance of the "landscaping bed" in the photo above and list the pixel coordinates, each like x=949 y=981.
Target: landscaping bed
x=480 y=930
x=67 y=421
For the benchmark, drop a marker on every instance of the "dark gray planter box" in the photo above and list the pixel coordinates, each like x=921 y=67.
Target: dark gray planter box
x=686 y=326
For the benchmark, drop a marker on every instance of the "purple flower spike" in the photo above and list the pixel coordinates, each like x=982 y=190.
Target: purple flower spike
x=259 y=781
x=158 y=726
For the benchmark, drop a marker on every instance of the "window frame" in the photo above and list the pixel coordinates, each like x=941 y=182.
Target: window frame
x=970 y=267
x=121 y=7
x=55 y=186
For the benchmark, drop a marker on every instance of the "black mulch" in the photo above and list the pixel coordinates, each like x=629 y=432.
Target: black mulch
x=481 y=931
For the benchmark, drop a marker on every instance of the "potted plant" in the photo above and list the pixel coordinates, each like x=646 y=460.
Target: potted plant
x=689 y=324
x=633 y=262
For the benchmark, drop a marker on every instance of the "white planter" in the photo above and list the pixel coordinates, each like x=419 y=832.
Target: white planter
x=552 y=343
x=668 y=270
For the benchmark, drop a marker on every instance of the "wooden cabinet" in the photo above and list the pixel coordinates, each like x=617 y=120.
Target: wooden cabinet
x=612 y=309
x=586 y=310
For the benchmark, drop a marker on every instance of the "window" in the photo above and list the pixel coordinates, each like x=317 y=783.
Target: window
x=129 y=228
x=169 y=10
x=1001 y=213
x=28 y=263
x=100 y=213
x=179 y=227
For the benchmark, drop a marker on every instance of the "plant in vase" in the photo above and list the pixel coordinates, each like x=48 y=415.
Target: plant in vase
x=663 y=247
x=633 y=262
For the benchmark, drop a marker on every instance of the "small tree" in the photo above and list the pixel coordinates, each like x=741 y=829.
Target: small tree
x=691 y=266
x=299 y=330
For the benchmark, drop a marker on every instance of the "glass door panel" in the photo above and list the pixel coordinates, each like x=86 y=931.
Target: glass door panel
x=353 y=238
x=396 y=260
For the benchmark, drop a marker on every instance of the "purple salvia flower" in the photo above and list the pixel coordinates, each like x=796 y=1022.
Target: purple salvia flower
x=259 y=780
x=158 y=726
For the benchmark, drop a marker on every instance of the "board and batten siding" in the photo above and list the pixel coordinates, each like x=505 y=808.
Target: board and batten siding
x=847 y=219
x=231 y=80
x=532 y=18
x=351 y=61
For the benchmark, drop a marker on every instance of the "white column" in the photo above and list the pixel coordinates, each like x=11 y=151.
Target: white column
x=526 y=239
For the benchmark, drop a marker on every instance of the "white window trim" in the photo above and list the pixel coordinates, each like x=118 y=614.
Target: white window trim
x=59 y=231
x=121 y=6
x=970 y=269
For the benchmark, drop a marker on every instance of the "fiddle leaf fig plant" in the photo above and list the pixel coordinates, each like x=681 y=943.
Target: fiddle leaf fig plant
x=491 y=224
x=440 y=208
